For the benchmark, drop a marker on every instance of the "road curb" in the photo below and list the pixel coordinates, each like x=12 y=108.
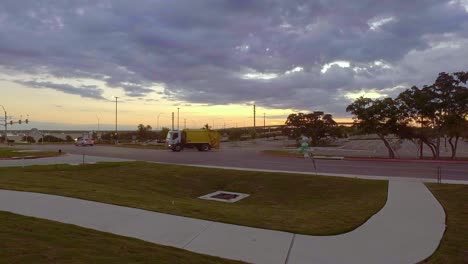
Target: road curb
x=328 y=157
x=325 y=174
x=30 y=157
x=406 y=160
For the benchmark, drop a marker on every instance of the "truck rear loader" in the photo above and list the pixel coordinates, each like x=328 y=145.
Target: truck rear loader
x=202 y=139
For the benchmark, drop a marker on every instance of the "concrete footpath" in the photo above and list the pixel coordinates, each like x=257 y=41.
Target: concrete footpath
x=408 y=229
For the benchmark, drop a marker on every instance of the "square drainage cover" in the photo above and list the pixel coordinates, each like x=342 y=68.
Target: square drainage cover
x=223 y=196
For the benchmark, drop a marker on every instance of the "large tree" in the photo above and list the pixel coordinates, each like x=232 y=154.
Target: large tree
x=380 y=117
x=439 y=109
x=416 y=108
x=316 y=125
x=451 y=106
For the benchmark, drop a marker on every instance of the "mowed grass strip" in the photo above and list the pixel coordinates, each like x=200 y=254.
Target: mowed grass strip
x=31 y=240
x=13 y=152
x=293 y=153
x=296 y=203
x=454 y=245
x=285 y=153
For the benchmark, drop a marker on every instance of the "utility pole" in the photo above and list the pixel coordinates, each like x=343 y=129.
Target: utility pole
x=116 y=119
x=172 y=120
x=6 y=138
x=98 y=127
x=158 y=119
x=264 y=130
x=254 y=117
x=98 y=123
x=185 y=123
x=177 y=118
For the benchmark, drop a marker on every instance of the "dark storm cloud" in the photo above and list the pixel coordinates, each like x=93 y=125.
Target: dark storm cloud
x=135 y=90
x=200 y=50
x=85 y=91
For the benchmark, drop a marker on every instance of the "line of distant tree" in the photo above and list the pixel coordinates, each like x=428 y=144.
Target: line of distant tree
x=48 y=138
x=142 y=133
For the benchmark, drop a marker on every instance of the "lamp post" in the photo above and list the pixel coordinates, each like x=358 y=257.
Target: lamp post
x=116 y=118
x=158 y=120
x=254 y=119
x=178 y=118
x=98 y=128
x=6 y=139
x=172 y=120
x=98 y=123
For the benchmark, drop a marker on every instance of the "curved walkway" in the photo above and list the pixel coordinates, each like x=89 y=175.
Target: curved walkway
x=408 y=229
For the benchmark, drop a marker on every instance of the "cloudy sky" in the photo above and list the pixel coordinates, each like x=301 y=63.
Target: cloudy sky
x=62 y=62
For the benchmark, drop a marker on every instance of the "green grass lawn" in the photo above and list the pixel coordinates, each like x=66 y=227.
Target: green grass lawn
x=290 y=202
x=454 y=244
x=31 y=240
x=292 y=153
x=13 y=152
x=286 y=153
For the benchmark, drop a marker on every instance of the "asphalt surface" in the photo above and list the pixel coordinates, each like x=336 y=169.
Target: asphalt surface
x=251 y=157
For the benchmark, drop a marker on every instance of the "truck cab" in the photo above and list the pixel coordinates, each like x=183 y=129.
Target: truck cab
x=174 y=140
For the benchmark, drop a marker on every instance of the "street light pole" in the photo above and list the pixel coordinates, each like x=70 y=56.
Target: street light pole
x=98 y=128
x=116 y=119
x=254 y=119
x=6 y=139
x=98 y=123
x=172 y=120
x=158 y=119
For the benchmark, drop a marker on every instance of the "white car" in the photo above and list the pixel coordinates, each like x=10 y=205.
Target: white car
x=84 y=142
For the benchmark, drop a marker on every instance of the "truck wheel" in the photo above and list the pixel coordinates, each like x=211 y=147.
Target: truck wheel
x=178 y=148
x=205 y=147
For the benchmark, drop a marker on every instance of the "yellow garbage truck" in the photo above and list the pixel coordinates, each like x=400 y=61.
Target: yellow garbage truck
x=202 y=139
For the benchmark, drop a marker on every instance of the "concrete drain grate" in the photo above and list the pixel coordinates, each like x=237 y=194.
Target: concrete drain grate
x=223 y=196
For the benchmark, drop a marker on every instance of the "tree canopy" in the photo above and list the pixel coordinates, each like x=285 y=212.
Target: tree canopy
x=379 y=117
x=425 y=114
x=316 y=125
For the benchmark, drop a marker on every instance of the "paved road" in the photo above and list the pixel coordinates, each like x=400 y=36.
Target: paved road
x=408 y=229
x=250 y=157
